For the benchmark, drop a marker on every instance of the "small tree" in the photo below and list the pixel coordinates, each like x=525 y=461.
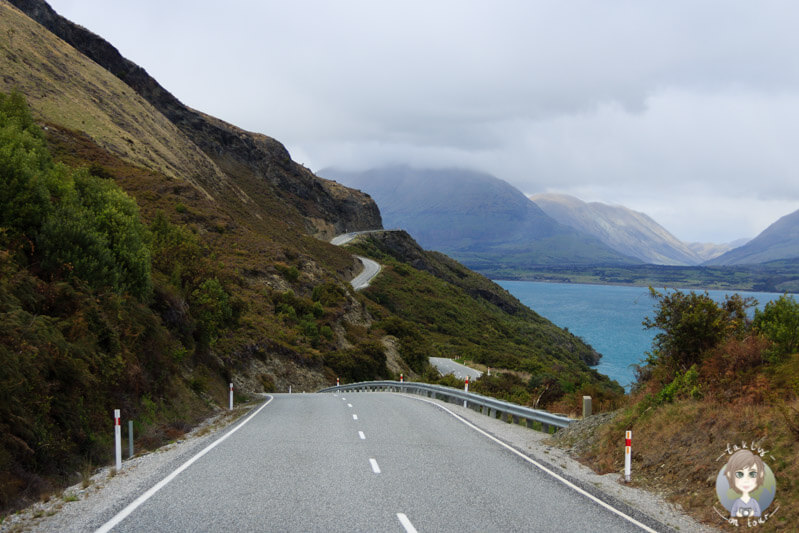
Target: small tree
x=779 y=323
x=691 y=324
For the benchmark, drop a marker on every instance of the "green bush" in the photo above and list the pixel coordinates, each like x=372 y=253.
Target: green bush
x=365 y=362
x=82 y=226
x=779 y=323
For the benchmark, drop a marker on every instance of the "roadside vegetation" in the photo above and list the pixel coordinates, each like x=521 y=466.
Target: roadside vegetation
x=714 y=377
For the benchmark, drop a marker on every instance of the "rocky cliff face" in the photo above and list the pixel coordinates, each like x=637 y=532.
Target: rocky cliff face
x=258 y=164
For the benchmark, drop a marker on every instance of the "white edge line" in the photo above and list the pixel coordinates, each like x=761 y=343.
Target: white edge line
x=124 y=513
x=375 y=468
x=361 y=435
x=406 y=523
x=355 y=417
x=542 y=467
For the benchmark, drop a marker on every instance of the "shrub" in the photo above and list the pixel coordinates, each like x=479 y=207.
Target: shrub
x=779 y=323
x=83 y=226
x=691 y=324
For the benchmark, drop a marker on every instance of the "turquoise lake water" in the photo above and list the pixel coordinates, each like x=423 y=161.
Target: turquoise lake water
x=607 y=317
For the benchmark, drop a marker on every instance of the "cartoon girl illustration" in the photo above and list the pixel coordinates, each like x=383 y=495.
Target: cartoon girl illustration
x=745 y=472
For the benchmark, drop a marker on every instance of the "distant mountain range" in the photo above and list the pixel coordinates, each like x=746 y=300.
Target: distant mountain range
x=623 y=229
x=778 y=241
x=489 y=225
x=474 y=217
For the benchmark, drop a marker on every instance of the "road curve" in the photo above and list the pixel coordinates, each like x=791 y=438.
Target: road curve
x=448 y=366
x=370 y=268
x=365 y=462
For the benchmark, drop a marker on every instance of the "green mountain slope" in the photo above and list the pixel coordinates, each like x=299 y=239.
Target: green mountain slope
x=476 y=218
x=464 y=314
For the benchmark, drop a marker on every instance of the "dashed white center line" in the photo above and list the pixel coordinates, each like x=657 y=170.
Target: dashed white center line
x=361 y=435
x=375 y=468
x=349 y=405
x=406 y=523
x=355 y=417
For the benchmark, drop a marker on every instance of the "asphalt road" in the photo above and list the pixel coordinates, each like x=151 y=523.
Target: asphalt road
x=364 y=462
x=370 y=268
x=448 y=366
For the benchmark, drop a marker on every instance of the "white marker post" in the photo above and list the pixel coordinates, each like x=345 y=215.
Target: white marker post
x=338 y=383
x=231 y=396
x=118 y=439
x=466 y=389
x=628 y=444
x=402 y=378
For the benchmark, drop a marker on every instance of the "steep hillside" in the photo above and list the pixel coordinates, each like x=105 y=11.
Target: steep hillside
x=459 y=308
x=476 y=218
x=778 y=241
x=626 y=231
x=261 y=167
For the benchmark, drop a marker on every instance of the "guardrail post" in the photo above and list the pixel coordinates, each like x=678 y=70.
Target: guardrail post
x=530 y=422
x=586 y=406
x=130 y=439
x=545 y=427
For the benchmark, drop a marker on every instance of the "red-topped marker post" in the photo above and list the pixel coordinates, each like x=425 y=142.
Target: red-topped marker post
x=628 y=445
x=118 y=439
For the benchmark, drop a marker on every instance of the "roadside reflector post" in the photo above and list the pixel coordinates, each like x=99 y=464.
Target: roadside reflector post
x=586 y=406
x=402 y=378
x=489 y=370
x=628 y=444
x=466 y=389
x=118 y=440
x=289 y=389
x=130 y=439
x=231 y=396
x=338 y=383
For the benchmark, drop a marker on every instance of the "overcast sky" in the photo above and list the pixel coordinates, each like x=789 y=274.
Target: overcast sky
x=685 y=110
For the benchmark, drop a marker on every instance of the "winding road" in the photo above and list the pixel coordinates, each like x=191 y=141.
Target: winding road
x=448 y=366
x=370 y=268
x=363 y=462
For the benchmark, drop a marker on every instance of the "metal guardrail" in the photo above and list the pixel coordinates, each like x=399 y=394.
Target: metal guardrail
x=535 y=418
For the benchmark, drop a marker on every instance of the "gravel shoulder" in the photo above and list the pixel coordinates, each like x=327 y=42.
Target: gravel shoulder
x=87 y=506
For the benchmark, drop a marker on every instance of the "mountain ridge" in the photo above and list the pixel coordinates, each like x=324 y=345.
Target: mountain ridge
x=474 y=217
x=630 y=232
x=777 y=242
x=253 y=159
